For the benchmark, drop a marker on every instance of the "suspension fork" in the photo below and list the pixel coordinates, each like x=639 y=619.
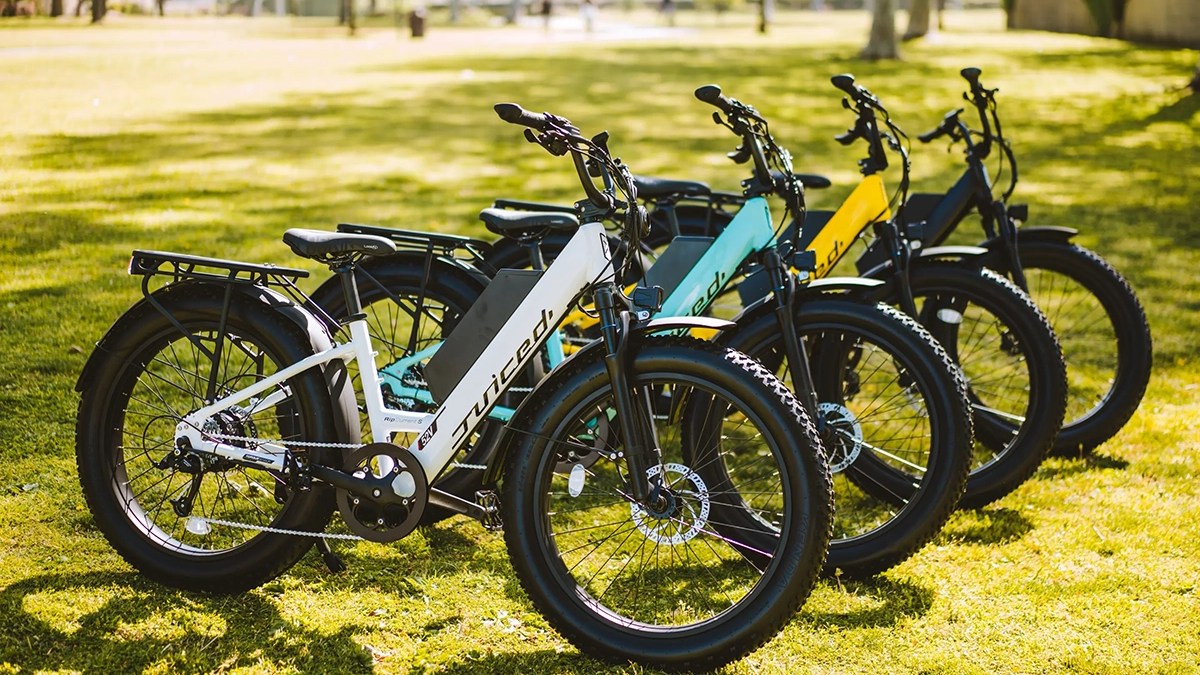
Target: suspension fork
x=1008 y=234
x=784 y=286
x=901 y=257
x=640 y=443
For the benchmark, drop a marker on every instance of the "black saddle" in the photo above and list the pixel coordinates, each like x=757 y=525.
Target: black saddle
x=321 y=245
x=664 y=187
x=523 y=224
x=812 y=181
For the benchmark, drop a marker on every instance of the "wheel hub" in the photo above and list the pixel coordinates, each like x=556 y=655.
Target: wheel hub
x=845 y=441
x=679 y=510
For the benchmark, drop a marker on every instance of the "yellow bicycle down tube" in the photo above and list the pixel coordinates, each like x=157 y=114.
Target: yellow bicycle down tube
x=867 y=204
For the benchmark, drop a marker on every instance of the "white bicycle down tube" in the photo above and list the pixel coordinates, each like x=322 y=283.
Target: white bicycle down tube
x=585 y=260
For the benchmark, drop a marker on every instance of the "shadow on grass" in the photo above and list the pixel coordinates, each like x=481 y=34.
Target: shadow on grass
x=875 y=602
x=544 y=661
x=1073 y=466
x=985 y=526
x=116 y=622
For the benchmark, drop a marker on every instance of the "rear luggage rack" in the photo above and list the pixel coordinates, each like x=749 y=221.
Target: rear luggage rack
x=179 y=267
x=446 y=245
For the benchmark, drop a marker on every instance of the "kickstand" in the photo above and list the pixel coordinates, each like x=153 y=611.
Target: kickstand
x=332 y=560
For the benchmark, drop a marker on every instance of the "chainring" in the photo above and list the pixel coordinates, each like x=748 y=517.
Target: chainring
x=391 y=507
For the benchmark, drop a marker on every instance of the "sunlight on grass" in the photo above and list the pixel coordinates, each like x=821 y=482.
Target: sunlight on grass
x=214 y=136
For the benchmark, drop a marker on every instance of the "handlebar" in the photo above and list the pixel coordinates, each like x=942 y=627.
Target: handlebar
x=845 y=82
x=515 y=114
x=559 y=136
x=711 y=94
x=747 y=123
x=866 y=127
x=948 y=126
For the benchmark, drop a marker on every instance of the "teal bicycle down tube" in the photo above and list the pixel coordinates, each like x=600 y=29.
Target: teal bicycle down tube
x=748 y=232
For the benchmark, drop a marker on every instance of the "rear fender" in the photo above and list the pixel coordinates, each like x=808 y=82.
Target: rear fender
x=306 y=327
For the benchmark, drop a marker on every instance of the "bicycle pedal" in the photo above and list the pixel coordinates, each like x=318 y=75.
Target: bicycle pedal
x=489 y=501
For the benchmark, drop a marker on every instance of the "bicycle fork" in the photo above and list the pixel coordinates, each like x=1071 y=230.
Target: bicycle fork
x=634 y=411
x=784 y=285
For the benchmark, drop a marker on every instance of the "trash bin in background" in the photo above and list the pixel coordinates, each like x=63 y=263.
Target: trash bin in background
x=416 y=22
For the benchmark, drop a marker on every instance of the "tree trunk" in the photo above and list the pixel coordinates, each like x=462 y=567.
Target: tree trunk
x=514 y=10
x=56 y=7
x=454 y=10
x=766 y=16
x=882 y=42
x=918 y=19
x=99 y=9
x=161 y=5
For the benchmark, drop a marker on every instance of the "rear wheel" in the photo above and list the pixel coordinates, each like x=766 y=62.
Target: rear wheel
x=717 y=562
x=157 y=504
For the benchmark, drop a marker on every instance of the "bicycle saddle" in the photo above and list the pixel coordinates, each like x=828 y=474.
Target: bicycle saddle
x=319 y=245
x=648 y=186
x=523 y=224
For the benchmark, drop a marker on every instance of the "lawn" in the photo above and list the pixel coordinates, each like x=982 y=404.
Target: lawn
x=213 y=136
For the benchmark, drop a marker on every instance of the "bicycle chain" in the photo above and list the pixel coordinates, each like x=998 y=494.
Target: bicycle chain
x=310 y=444
x=278 y=530
x=314 y=444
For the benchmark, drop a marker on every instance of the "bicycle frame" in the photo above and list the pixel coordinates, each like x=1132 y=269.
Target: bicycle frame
x=585 y=261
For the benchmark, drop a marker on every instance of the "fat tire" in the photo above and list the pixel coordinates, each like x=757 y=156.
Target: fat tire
x=101 y=419
x=923 y=512
x=778 y=594
x=1134 y=349
x=1018 y=458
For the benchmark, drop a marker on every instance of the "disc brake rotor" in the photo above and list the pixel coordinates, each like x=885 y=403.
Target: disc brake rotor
x=846 y=441
x=685 y=505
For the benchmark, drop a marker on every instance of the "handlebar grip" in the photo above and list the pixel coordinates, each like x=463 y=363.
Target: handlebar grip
x=930 y=135
x=971 y=75
x=515 y=114
x=847 y=138
x=711 y=94
x=845 y=82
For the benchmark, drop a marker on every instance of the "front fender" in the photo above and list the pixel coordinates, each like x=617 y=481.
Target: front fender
x=857 y=288
x=976 y=255
x=1040 y=233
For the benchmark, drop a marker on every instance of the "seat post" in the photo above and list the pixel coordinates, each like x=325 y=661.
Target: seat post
x=534 y=244
x=344 y=269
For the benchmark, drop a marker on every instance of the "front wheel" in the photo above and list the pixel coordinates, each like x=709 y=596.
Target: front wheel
x=1104 y=334
x=1015 y=374
x=895 y=419
x=715 y=562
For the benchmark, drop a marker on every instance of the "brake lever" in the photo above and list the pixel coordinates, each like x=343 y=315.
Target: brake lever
x=741 y=155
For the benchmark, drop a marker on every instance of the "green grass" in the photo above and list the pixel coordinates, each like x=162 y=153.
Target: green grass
x=213 y=136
